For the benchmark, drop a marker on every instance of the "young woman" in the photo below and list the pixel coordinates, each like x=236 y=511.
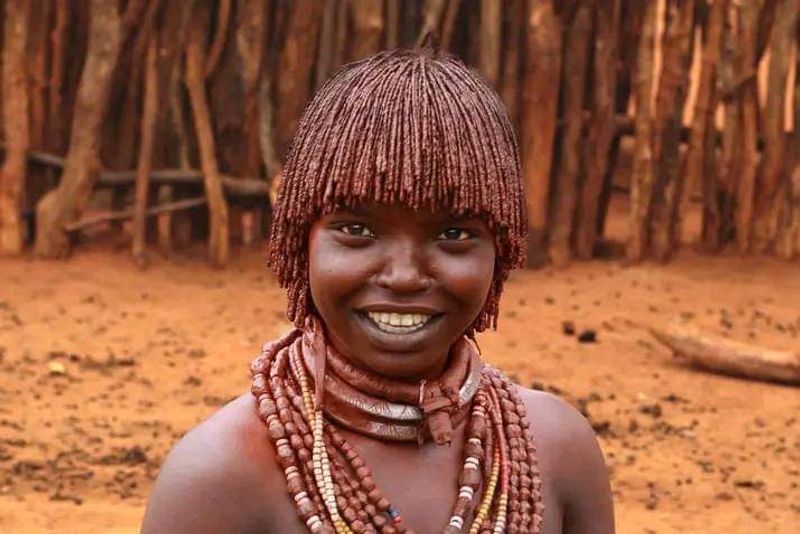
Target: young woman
x=401 y=214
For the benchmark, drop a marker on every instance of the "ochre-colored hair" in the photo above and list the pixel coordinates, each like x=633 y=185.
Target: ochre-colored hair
x=413 y=127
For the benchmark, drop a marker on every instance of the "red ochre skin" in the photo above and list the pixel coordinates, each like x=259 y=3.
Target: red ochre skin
x=222 y=476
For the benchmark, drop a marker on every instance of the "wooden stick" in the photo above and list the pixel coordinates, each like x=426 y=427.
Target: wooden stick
x=726 y=356
x=16 y=125
x=491 y=35
x=565 y=194
x=218 y=242
x=601 y=124
x=127 y=214
x=772 y=178
x=747 y=160
x=145 y=163
x=221 y=32
x=643 y=172
x=671 y=100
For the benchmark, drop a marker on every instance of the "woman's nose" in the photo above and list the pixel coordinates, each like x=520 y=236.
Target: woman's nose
x=404 y=269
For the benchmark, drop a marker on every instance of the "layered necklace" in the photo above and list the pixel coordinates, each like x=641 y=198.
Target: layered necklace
x=334 y=492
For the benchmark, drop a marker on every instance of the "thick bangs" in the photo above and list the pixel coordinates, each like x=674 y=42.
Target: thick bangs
x=403 y=127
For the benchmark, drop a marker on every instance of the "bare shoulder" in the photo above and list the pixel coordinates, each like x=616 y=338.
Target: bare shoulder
x=571 y=460
x=213 y=480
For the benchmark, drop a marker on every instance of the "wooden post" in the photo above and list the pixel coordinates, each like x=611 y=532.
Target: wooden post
x=491 y=34
x=539 y=114
x=565 y=194
x=218 y=243
x=295 y=67
x=643 y=172
x=16 y=126
x=145 y=162
x=671 y=99
x=601 y=124
x=700 y=159
x=63 y=204
x=512 y=35
x=367 y=19
x=772 y=179
x=747 y=158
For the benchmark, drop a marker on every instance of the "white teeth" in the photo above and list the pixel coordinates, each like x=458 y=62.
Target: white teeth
x=398 y=323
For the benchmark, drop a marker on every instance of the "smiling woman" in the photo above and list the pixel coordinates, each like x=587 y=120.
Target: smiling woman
x=399 y=218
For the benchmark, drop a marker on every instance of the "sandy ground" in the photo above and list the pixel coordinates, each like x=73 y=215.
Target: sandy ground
x=103 y=367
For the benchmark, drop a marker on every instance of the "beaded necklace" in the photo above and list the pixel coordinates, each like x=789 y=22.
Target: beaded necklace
x=499 y=488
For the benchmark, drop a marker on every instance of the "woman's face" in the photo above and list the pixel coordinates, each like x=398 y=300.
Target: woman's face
x=395 y=288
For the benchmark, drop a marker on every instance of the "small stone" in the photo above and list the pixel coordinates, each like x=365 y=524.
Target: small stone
x=587 y=336
x=57 y=368
x=568 y=328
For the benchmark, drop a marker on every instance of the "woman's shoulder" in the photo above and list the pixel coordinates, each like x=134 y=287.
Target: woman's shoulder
x=570 y=461
x=215 y=475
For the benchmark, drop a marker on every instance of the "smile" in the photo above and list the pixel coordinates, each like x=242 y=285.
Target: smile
x=398 y=323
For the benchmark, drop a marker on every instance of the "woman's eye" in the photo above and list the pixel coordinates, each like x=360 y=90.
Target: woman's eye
x=358 y=230
x=454 y=234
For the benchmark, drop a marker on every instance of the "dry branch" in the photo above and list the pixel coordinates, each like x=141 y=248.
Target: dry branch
x=170 y=207
x=220 y=34
x=723 y=355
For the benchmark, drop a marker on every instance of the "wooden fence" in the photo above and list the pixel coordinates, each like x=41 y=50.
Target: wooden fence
x=180 y=112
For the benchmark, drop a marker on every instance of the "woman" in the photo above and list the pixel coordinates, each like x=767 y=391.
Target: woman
x=400 y=215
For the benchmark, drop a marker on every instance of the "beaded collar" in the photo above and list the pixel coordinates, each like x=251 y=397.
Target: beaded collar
x=498 y=490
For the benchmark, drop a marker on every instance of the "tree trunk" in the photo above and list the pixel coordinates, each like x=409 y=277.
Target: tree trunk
x=145 y=162
x=788 y=242
x=772 y=179
x=15 y=123
x=565 y=194
x=747 y=158
x=327 y=42
x=671 y=99
x=296 y=67
x=67 y=201
x=540 y=109
x=490 y=38
x=218 y=242
x=367 y=20
x=643 y=162
x=601 y=124
x=55 y=113
x=432 y=15
x=392 y=24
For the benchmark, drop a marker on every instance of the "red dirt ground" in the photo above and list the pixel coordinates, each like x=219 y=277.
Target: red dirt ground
x=146 y=355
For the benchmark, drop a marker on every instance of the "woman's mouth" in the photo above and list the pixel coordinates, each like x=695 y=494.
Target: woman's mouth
x=398 y=323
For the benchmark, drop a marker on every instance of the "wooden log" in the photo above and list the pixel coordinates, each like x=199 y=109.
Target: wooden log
x=643 y=171
x=491 y=33
x=296 y=67
x=747 y=15
x=726 y=356
x=367 y=24
x=670 y=102
x=600 y=125
x=565 y=188
x=65 y=203
x=218 y=242
x=145 y=163
x=170 y=207
x=772 y=180
x=16 y=126
x=543 y=49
